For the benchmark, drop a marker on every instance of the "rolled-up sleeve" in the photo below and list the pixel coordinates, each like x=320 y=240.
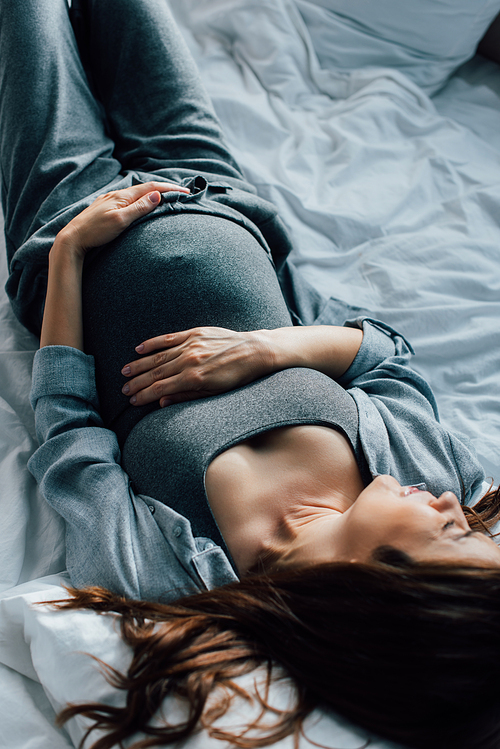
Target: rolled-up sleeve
x=398 y=417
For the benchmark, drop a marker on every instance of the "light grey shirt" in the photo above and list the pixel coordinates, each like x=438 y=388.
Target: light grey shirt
x=139 y=547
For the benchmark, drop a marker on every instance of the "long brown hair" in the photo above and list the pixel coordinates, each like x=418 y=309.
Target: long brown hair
x=486 y=512
x=409 y=651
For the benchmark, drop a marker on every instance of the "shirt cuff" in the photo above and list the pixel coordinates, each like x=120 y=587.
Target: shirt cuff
x=380 y=342
x=62 y=370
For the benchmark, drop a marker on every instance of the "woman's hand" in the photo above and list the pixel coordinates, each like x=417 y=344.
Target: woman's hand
x=206 y=361
x=110 y=214
x=196 y=363
x=98 y=224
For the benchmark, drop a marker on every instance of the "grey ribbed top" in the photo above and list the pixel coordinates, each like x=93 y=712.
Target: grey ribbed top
x=167 y=454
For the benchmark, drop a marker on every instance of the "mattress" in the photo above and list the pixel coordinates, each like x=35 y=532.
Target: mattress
x=390 y=186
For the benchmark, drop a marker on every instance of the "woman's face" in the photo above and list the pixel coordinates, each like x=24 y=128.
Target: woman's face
x=426 y=527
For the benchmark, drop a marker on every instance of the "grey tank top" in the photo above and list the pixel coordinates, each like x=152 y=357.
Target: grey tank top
x=166 y=455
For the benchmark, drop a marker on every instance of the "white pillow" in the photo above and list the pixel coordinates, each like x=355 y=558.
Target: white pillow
x=51 y=648
x=425 y=39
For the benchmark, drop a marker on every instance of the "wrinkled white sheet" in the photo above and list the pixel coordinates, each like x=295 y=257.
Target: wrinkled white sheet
x=394 y=204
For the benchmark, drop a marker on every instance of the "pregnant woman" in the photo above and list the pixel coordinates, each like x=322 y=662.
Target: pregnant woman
x=272 y=443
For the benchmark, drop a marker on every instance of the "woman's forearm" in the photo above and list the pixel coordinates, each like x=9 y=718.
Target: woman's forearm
x=327 y=348
x=62 y=318
x=206 y=361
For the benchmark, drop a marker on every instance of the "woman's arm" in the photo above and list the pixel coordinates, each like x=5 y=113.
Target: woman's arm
x=100 y=223
x=329 y=349
x=201 y=362
x=77 y=467
x=62 y=318
x=77 y=464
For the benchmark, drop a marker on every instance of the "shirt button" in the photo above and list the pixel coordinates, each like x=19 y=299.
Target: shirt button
x=177 y=531
x=209 y=546
x=151 y=509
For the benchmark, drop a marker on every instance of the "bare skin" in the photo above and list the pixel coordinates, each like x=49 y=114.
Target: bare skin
x=295 y=490
x=264 y=490
x=286 y=494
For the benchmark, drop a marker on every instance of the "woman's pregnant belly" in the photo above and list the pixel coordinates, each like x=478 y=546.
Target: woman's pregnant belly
x=173 y=273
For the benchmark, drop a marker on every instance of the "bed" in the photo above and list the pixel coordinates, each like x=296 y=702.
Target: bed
x=375 y=132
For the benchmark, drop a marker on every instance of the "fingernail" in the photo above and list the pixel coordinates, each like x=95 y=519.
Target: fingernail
x=126 y=371
x=133 y=400
x=165 y=402
x=125 y=389
x=154 y=197
x=139 y=348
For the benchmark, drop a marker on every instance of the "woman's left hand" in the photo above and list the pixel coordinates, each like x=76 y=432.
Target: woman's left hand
x=196 y=363
x=110 y=214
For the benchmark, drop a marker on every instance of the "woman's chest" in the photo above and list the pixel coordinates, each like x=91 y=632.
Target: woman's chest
x=254 y=485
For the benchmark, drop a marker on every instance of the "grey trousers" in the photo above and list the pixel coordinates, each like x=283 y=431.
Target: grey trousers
x=93 y=100
x=66 y=137
x=59 y=143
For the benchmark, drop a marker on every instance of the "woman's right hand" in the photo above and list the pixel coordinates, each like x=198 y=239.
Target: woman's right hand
x=196 y=363
x=110 y=214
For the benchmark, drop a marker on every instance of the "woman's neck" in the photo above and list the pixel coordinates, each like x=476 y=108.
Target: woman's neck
x=272 y=492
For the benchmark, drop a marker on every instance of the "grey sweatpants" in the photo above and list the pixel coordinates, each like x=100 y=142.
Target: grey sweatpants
x=60 y=144
x=87 y=108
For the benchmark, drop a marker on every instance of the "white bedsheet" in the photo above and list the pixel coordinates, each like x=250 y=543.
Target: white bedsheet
x=394 y=204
